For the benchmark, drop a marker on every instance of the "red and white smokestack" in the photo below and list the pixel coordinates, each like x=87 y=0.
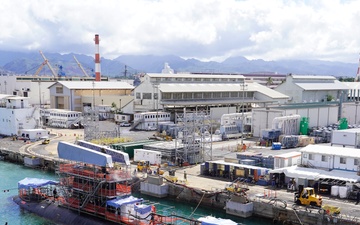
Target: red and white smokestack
x=97 y=59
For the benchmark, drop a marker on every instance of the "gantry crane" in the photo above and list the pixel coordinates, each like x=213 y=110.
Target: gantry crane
x=80 y=66
x=48 y=64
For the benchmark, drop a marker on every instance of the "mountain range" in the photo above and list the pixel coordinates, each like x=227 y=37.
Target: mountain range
x=128 y=65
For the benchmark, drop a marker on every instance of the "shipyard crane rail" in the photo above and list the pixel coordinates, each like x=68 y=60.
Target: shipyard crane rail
x=81 y=67
x=48 y=64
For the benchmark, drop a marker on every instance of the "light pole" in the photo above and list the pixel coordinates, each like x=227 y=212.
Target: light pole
x=356 y=105
x=242 y=113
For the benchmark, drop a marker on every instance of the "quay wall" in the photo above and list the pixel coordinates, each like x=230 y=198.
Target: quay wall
x=273 y=209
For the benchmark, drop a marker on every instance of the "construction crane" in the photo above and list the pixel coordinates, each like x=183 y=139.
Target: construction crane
x=80 y=66
x=48 y=64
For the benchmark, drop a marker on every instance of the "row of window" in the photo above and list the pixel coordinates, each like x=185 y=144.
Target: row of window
x=196 y=95
x=197 y=79
x=325 y=158
x=65 y=115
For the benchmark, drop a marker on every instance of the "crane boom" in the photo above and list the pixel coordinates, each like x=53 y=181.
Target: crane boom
x=80 y=66
x=48 y=64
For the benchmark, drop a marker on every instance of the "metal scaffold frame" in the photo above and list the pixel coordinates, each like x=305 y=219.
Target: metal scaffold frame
x=91 y=124
x=196 y=126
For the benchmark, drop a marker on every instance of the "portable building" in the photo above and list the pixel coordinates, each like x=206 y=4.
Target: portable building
x=34 y=134
x=154 y=157
x=287 y=159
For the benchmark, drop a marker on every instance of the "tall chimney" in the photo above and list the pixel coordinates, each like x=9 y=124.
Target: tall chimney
x=357 y=78
x=97 y=59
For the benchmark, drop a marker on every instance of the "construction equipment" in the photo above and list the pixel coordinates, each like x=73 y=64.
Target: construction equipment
x=48 y=64
x=307 y=196
x=81 y=67
x=143 y=166
x=237 y=186
x=45 y=141
x=171 y=177
x=331 y=210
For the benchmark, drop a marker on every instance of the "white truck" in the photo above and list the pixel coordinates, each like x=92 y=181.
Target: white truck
x=348 y=137
x=154 y=157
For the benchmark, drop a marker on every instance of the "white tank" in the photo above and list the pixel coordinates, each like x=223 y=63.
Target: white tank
x=334 y=190
x=343 y=192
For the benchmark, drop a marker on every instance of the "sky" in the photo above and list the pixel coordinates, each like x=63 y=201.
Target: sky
x=201 y=29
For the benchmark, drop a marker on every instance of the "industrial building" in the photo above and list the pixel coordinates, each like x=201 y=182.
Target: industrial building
x=201 y=92
x=308 y=89
x=17 y=115
x=75 y=95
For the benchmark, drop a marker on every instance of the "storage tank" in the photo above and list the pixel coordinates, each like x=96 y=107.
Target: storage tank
x=304 y=125
x=335 y=190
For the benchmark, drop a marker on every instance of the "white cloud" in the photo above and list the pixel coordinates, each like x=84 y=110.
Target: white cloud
x=203 y=29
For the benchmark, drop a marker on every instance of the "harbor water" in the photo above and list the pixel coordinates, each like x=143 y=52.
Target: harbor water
x=11 y=213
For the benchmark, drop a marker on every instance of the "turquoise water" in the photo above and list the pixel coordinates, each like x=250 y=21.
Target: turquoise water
x=10 y=212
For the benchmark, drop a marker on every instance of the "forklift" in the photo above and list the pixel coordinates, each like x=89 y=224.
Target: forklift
x=307 y=196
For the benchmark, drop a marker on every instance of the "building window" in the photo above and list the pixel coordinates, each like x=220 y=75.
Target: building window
x=342 y=160
x=197 y=79
x=187 y=95
x=225 y=94
x=356 y=162
x=234 y=94
x=166 y=96
x=216 y=95
x=177 y=95
x=146 y=95
x=26 y=94
x=59 y=90
x=138 y=95
x=324 y=158
x=198 y=95
x=207 y=95
x=311 y=157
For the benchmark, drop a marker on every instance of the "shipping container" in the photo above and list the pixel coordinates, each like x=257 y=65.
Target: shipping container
x=153 y=157
x=348 y=137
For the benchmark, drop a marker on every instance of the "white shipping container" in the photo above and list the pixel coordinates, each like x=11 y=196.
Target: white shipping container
x=154 y=157
x=348 y=137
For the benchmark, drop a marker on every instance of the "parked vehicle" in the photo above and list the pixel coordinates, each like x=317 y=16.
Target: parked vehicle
x=307 y=197
x=125 y=124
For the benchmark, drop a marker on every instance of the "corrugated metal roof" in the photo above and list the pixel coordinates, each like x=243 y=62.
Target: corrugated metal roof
x=95 y=85
x=313 y=77
x=188 y=75
x=332 y=150
x=212 y=87
x=323 y=86
x=352 y=85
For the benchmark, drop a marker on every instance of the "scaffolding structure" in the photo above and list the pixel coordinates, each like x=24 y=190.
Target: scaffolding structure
x=195 y=136
x=91 y=124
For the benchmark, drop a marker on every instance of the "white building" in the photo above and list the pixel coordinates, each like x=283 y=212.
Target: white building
x=306 y=88
x=60 y=118
x=287 y=159
x=197 y=92
x=75 y=95
x=17 y=114
x=329 y=157
x=150 y=120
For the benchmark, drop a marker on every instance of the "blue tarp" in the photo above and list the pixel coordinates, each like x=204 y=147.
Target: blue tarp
x=142 y=209
x=123 y=201
x=26 y=183
x=81 y=154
